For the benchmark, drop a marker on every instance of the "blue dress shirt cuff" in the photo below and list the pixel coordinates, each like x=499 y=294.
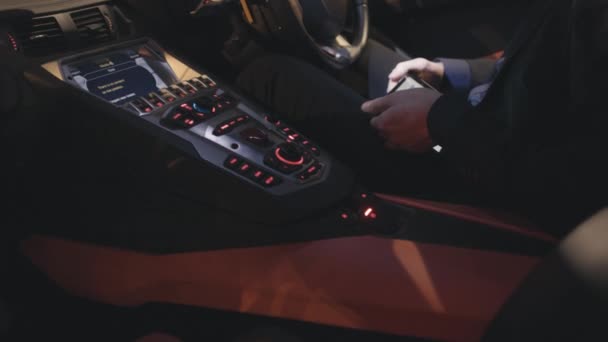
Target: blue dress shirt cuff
x=457 y=73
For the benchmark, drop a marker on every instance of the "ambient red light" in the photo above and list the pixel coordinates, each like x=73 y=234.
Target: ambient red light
x=344 y=216
x=269 y=180
x=363 y=196
x=13 y=42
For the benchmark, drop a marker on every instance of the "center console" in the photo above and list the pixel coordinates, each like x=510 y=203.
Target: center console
x=222 y=128
x=242 y=158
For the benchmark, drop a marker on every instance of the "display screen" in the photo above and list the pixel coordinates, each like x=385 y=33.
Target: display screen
x=123 y=75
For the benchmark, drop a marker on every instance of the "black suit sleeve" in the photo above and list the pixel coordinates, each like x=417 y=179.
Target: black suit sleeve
x=482 y=70
x=563 y=180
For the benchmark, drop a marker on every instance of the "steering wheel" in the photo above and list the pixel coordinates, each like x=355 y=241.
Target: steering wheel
x=323 y=24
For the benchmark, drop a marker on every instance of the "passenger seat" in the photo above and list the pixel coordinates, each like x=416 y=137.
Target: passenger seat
x=566 y=297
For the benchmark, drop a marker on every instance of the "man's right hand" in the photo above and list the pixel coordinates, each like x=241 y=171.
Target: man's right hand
x=431 y=72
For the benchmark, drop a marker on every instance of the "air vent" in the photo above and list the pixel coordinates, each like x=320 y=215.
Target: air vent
x=41 y=36
x=93 y=26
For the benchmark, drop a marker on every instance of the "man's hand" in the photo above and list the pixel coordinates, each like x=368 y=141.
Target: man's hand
x=431 y=72
x=401 y=118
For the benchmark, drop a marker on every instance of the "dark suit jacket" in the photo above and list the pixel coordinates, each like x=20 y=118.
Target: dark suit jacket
x=538 y=140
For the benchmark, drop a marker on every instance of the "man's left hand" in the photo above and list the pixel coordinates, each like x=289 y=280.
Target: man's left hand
x=401 y=118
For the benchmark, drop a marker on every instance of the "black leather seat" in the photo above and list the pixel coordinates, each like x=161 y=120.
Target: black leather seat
x=566 y=297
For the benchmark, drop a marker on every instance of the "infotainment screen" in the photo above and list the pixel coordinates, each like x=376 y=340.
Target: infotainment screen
x=122 y=75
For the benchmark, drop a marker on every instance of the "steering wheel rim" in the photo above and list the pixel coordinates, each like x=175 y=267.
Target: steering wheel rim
x=340 y=52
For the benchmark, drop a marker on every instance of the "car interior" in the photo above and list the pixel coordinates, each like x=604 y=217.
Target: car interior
x=147 y=198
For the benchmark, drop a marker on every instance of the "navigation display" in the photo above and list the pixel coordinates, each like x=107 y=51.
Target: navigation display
x=122 y=75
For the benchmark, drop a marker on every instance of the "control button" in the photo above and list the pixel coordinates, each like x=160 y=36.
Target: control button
x=310 y=172
x=289 y=154
x=184 y=116
x=294 y=137
x=233 y=162
x=287 y=131
x=369 y=213
x=286 y=158
x=256 y=136
x=226 y=100
x=227 y=126
x=204 y=105
x=272 y=120
x=311 y=147
x=177 y=91
x=155 y=99
x=244 y=168
x=142 y=106
x=271 y=180
x=187 y=87
x=249 y=170
x=348 y=216
x=167 y=96
x=207 y=81
x=222 y=129
x=257 y=175
x=179 y=119
x=198 y=83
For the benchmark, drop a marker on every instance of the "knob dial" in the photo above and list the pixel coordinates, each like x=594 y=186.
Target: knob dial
x=289 y=154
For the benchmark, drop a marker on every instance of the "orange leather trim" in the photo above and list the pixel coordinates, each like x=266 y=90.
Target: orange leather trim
x=391 y=286
x=491 y=218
